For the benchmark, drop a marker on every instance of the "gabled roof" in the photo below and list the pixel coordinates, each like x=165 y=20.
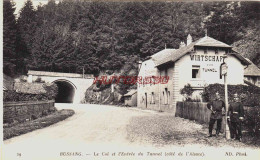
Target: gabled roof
x=252 y=69
x=130 y=93
x=162 y=56
x=172 y=55
x=211 y=42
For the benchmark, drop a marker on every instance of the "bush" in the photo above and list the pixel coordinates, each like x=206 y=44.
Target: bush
x=51 y=90
x=249 y=95
x=187 y=91
x=252 y=120
x=13 y=96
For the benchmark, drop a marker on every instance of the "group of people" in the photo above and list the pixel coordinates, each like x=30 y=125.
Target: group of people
x=235 y=116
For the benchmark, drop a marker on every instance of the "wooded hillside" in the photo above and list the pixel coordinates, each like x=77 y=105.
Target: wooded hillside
x=102 y=36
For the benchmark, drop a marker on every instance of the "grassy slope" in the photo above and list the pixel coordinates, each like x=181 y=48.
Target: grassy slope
x=39 y=123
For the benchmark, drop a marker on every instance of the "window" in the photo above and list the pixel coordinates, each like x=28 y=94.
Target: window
x=206 y=51
x=166 y=96
x=195 y=71
x=152 y=98
x=216 y=51
x=227 y=51
x=163 y=95
x=193 y=50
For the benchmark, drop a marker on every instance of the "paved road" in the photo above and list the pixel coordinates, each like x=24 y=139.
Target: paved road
x=93 y=128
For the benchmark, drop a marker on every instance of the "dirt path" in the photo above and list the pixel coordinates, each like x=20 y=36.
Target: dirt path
x=93 y=128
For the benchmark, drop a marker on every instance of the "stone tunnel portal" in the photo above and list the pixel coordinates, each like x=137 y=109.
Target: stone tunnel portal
x=66 y=91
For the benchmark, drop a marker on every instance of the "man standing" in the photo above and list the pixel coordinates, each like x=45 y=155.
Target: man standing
x=216 y=107
x=235 y=115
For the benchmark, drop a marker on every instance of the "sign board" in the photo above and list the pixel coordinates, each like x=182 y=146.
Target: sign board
x=223 y=68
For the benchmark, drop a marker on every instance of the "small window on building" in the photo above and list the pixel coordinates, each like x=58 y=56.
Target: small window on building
x=166 y=96
x=206 y=51
x=163 y=95
x=195 y=71
x=227 y=51
x=152 y=98
x=194 y=50
x=216 y=51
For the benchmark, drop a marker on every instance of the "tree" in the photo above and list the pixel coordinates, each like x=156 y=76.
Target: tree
x=27 y=23
x=9 y=38
x=26 y=29
x=222 y=21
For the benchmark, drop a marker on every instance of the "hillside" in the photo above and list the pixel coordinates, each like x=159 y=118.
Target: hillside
x=249 y=44
x=103 y=38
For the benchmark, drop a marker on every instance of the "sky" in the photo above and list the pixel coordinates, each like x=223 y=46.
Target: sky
x=20 y=4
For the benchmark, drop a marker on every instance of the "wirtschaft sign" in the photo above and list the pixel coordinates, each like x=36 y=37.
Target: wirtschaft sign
x=223 y=68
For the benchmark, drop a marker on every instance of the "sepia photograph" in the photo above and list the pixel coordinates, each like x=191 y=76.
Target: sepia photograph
x=130 y=80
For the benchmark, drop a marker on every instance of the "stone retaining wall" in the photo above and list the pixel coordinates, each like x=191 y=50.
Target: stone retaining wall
x=22 y=111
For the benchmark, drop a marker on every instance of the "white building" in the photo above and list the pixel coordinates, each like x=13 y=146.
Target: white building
x=197 y=63
x=252 y=74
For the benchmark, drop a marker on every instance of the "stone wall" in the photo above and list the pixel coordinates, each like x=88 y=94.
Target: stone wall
x=22 y=111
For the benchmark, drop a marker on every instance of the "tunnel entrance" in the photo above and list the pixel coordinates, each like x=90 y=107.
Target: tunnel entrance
x=66 y=92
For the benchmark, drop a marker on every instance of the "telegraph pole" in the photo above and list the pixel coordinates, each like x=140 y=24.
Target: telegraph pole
x=224 y=68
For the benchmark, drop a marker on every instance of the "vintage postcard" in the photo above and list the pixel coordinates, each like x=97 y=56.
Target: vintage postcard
x=116 y=80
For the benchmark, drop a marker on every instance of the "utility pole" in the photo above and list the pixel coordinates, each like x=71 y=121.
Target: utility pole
x=224 y=69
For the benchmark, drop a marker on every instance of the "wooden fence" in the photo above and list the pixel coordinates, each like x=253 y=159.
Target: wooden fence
x=193 y=111
x=20 y=111
x=197 y=111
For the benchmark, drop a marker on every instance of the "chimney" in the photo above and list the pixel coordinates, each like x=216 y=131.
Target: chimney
x=139 y=64
x=189 y=39
x=182 y=44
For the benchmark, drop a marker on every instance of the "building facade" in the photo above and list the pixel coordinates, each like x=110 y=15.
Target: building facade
x=195 y=63
x=252 y=74
x=131 y=98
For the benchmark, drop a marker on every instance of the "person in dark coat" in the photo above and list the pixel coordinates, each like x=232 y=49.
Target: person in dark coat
x=235 y=116
x=216 y=107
